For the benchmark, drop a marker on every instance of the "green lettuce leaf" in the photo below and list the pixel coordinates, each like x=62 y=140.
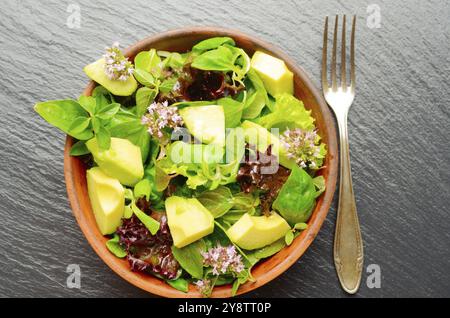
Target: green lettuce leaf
x=297 y=197
x=289 y=112
x=202 y=165
x=190 y=258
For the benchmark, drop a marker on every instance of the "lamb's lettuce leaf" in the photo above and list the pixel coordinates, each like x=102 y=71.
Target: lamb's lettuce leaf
x=257 y=96
x=212 y=43
x=225 y=58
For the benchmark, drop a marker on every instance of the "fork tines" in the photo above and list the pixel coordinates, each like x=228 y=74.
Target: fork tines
x=334 y=81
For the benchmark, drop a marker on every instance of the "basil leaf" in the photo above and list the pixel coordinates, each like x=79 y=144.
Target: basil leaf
x=289 y=237
x=61 y=114
x=103 y=138
x=221 y=59
x=135 y=132
x=301 y=226
x=245 y=201
x=88 y=103
x=242 y=278
x=100 y=90
x=218 y=201
x=258 y=85
x=296 y=198
x=114 y=247
x=174 y=60
x=190 y=258
x=147 y=61
x=79 y=149
x=100 y=102
x=167 y=85
x=180 y=284
x=235 y=287
x=144 y=97
x=144 y=77
x=79 y=125
x=150 y=223
x=223 y=279
x=96 y=124
x=269 y=250
x=319 y=183
x=253 y=106
x=108 y=111
x=122 y=116
x=243 y=60
x=143 y=189
x=233 y=111
x=212 y=43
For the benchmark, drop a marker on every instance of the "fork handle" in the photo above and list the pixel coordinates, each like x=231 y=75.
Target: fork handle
x=348 y=246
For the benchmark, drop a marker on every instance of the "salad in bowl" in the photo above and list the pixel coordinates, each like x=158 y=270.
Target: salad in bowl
x=199 y=164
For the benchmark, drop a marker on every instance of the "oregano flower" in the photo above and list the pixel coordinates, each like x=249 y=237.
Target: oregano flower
x=304 y=147
x=117 y=66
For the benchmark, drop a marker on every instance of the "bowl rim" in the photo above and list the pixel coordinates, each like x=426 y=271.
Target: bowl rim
x=300 y=244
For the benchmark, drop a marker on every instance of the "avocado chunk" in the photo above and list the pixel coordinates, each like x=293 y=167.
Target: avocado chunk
x=96 y=72
x=252 y=232
x=122 y=160
x=206 y=123
x=277 y=78
x=261 y=138
x=188 y=220
x=107 y=200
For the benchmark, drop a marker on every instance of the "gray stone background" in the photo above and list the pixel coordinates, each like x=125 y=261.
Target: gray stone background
x=399 y=135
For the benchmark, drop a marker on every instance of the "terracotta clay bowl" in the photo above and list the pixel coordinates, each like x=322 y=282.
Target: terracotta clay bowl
x=182 y=40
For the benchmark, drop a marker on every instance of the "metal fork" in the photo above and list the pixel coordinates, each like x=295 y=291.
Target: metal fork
x=348 y=246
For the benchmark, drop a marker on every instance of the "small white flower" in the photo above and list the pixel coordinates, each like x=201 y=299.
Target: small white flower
x=204 y=286
x=302 y=146
x=159 y=117
x=223 y=260
x=117 y=66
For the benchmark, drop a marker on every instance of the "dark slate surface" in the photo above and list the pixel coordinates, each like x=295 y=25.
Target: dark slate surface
x=399 y=127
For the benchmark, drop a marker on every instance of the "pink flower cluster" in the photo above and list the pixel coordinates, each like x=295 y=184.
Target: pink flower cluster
x=303 y=146
x=117 y=66
x=223 y=260
x=160 y=116
x=204 y=286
